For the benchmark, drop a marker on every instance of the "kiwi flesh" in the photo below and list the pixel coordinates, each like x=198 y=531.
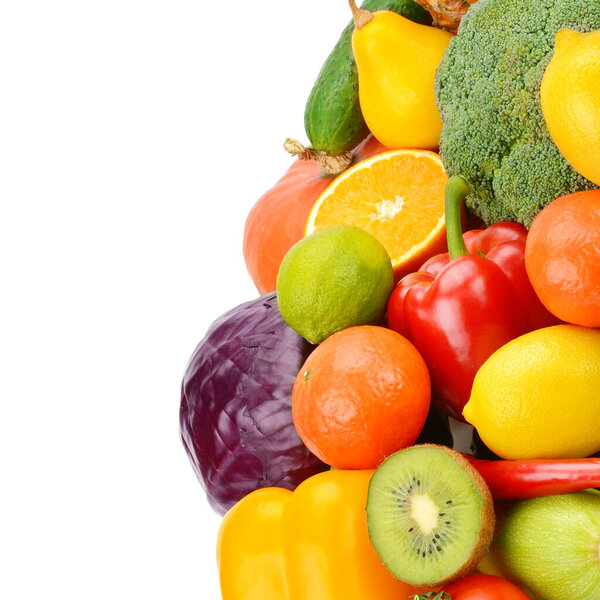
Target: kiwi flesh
x=430 y=515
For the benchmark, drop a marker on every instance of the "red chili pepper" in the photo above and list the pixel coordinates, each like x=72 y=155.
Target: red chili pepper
x=519 y=479
x=464 y=305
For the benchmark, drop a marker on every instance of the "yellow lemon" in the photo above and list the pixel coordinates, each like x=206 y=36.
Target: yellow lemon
x=570 y=97
x=539 y=395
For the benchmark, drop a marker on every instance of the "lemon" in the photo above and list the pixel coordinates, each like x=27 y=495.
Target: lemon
x=570 y=98
x=539 y=395
x=333 y=279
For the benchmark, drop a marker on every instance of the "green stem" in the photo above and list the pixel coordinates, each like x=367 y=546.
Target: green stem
x=457 y=189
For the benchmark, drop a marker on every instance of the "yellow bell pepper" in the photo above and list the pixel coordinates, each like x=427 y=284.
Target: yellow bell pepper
x=310 y=544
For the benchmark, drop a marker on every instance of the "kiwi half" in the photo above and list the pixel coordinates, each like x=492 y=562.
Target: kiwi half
x=430 y=515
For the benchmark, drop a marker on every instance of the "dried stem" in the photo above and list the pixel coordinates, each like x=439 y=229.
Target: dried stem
x=361 y=17
x=446 y=14
x=331 y=165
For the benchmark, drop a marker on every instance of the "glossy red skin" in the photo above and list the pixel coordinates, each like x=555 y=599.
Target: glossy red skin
x=520 y=479
x=484 y=587
x=457 y=313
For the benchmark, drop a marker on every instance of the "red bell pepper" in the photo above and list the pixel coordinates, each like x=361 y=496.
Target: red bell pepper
x=520 y=479
x=465 y=304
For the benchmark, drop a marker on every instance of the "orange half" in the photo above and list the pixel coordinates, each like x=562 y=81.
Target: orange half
x=398 y=197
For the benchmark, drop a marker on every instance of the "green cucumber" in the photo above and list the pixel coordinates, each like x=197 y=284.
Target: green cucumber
x=332 y=119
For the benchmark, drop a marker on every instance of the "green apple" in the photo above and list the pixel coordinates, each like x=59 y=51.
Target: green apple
x=551 y=546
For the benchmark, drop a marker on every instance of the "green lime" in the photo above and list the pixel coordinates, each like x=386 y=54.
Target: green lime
x=333 y=279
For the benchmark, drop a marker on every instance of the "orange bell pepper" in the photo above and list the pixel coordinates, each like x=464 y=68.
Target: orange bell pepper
x=310 y=544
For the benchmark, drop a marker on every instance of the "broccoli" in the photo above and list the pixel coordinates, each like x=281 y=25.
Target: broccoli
x=487 y=90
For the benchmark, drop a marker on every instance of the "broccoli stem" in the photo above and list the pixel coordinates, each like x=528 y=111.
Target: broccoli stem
x=457 y=189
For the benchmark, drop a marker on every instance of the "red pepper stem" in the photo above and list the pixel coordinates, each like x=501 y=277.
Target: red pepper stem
x=457 y=189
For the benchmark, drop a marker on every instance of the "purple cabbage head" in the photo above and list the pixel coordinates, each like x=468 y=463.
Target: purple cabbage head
x=236 y=397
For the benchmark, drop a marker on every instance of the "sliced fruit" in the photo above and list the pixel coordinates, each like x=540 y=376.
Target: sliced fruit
x=398 y=197
x=430 y=515
x=278 y=219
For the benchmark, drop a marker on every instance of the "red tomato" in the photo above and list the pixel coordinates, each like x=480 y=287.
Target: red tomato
x=484 y=587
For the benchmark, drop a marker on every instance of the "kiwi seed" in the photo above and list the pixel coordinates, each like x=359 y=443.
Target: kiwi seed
x=430 y=515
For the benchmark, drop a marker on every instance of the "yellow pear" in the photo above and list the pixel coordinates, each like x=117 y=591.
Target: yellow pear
x=396 y=60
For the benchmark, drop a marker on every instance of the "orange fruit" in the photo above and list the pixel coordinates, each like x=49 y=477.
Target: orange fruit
x=278 y=219
x=562 y=258
x=361 y=395
x=398 y=197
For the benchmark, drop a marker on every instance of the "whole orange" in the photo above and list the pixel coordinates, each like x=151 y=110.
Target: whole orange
x=361 y=395
x=562 y=257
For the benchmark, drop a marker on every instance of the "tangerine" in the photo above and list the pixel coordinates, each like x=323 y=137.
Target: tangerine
x=562 y=257
x=361 y=395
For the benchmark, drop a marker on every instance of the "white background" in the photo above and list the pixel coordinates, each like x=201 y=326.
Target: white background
x=134 y=138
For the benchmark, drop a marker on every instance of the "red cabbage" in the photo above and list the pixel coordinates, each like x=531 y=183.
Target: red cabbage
x=236 y=417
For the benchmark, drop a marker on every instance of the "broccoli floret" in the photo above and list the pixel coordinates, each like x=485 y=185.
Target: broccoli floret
x=488 y=93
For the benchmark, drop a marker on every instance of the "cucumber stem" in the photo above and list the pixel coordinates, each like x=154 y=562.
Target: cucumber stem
x=457 y=189
x=361 y=17
x=330 y=165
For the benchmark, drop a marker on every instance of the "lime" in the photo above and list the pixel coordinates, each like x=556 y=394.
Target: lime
x=537 y=396
x=333 y=279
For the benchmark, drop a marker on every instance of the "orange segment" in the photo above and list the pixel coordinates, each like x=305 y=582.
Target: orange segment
x=398 y=197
